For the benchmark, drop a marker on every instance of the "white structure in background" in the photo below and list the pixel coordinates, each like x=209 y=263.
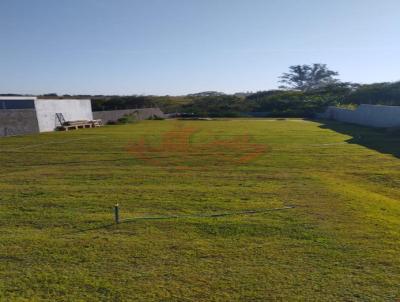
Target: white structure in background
x=24 y=115
x=378 y=116
x=72 y=110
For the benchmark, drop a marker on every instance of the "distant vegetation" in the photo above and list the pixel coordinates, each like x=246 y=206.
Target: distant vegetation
x=305 y=90
x=379 y=93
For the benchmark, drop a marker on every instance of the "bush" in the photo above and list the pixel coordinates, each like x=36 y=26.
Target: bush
x=156 y=118
x=127 y=119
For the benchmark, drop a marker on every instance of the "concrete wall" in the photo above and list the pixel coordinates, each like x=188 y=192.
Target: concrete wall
x=366 y=115
x=114 y=115
x=71 y=109
x=18 y=121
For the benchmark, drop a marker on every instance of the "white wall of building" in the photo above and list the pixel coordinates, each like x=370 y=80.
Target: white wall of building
x=71 y=109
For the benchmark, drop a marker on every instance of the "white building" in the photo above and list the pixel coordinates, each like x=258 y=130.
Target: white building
x=24 y=115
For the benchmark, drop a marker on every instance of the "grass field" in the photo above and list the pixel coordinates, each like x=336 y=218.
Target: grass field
x=340 y=242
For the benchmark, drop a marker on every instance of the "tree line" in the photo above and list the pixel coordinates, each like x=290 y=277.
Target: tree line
x=304 y=91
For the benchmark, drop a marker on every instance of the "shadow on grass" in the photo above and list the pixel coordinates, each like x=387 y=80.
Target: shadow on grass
x=372 y=138
x=175 y=217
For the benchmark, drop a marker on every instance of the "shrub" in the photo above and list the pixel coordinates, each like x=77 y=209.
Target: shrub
x=127 y=119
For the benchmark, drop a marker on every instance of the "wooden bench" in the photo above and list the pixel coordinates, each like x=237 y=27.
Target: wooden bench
x=75 y=125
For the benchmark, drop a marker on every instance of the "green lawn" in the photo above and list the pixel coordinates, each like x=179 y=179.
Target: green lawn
x=341 y=242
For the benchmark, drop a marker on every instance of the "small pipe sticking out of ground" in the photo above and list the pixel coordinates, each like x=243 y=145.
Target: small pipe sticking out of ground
x=116 y=213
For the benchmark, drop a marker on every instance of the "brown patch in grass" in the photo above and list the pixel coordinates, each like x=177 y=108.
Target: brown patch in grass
x=175 y=149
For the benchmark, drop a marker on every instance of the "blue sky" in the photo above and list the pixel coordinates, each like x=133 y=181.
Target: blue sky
x=183 y=46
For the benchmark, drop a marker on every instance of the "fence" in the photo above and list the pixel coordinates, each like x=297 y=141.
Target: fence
x=367 y=115
x=140 y=114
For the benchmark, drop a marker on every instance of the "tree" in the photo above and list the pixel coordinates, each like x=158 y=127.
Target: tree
x=308 y=77
x=377 y=93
